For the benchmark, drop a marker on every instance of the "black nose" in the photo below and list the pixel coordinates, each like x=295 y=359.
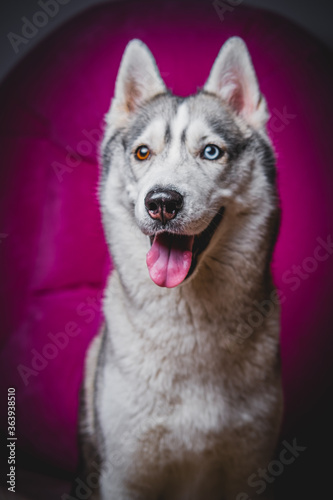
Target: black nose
x=163 y=204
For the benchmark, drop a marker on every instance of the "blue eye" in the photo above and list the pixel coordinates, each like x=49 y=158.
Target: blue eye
x=212 y=152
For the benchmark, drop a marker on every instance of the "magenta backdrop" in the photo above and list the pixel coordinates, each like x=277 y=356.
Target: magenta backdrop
x=53 y=255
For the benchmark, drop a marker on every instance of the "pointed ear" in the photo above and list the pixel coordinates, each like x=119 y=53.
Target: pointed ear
x=233 y=79
x=138 y=80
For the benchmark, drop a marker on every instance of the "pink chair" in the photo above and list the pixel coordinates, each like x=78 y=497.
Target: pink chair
x=54 y=260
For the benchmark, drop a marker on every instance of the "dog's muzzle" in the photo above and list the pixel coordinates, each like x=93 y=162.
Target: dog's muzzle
x=173 y=257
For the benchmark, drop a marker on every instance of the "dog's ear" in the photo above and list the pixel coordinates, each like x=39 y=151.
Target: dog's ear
x=138 y=80
x=234 y=80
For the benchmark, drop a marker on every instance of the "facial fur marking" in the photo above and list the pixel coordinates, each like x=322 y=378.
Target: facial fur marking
x=178 y=126
x=183 y=136
x=181 y=119
x=234 y=142
x=152 y=136
x=167 y=135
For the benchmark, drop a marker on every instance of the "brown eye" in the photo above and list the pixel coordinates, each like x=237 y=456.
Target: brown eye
x=142 y=153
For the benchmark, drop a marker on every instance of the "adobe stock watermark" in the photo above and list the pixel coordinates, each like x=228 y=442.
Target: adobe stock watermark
x=86 y=486
x=83 y=149
x=255 y=318
x=262 y=477
x=280 y=119
x=90 y=142
x=3 y=236
x=31 y=27
x=57 y=342
x=292 y=277
x=41 y=358
x=298 y=273
x=224 y=7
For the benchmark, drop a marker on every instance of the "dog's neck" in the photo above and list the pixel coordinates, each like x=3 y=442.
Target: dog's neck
x=235 y=268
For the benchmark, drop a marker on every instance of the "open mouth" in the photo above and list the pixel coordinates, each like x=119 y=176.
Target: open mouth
x=174 y=257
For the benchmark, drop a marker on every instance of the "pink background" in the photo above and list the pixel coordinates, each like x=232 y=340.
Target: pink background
x=53 y=255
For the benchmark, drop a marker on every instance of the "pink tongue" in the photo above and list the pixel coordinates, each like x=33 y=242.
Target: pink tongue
x=169 y=259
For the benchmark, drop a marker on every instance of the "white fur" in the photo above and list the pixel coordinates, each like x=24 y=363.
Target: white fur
x=178 y=125
x=188 y=408
x=152 y=135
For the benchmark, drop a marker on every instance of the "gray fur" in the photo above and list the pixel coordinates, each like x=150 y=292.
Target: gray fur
x=190 y=403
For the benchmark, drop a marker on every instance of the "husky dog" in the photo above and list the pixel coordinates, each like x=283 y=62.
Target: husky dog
x=182 y=392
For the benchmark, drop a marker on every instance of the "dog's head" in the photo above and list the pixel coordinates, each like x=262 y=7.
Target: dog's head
x=186 y=165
